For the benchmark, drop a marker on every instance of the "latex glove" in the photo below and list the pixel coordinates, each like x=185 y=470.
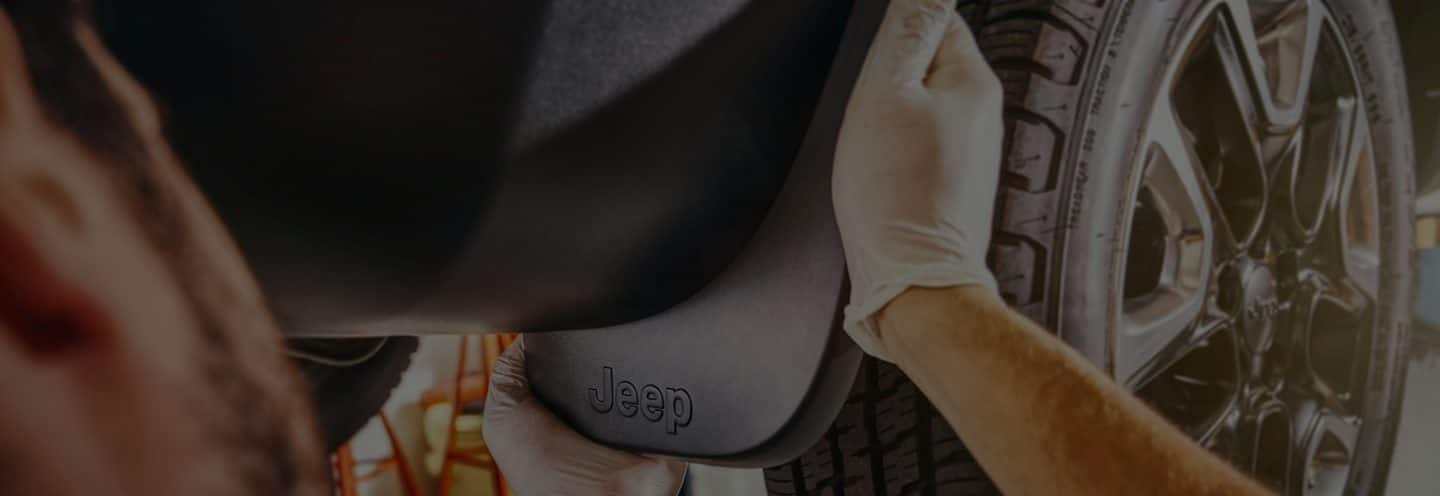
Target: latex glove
x=917 y=164
x=540 y=456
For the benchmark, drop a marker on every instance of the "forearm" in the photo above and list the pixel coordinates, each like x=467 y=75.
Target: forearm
x=1037 y=416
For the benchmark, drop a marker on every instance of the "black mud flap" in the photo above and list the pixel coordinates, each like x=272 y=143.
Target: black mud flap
x=752 y=369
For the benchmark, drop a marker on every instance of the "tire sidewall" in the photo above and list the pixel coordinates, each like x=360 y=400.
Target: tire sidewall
x=1370 y=36
x=1138 y=39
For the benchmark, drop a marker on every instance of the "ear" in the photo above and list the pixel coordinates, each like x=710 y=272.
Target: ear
x=41 y=309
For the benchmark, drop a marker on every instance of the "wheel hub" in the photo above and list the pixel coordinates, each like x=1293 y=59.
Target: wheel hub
x=1258 y=303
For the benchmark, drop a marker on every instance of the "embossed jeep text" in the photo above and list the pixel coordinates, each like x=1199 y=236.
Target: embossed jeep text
x=671 y=406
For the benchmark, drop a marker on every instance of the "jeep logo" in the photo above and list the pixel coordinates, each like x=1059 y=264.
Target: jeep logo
x=672 y=406
x=1265 y=310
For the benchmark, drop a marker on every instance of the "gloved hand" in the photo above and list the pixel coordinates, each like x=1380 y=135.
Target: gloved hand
x=917 y=164
x=541 y=456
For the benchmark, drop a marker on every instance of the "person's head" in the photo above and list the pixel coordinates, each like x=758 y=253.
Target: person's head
x=136 y=352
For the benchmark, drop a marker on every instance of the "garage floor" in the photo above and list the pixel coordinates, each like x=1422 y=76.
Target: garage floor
x=1416 y=467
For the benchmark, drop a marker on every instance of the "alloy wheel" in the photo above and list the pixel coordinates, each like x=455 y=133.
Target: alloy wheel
x=1252 y=268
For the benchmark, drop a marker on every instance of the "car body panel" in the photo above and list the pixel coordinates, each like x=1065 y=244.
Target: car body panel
x=449 y=166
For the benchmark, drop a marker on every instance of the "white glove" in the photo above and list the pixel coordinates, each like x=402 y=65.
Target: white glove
x=917 y=164
x=540 y=456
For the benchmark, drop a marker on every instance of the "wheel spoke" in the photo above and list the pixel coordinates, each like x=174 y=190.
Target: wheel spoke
x=1196 y=383
x=1331 y=342
x=1199 y=339
x=1219 y=435
x=1326 y=449
x=1175 y=221
x=1174 y=175
x=1273 y=43
x=1346 y=244
x=1228 y=124
x=1358 y=219
x=1236 y=67
x=1266 y=444
x=1315 y=164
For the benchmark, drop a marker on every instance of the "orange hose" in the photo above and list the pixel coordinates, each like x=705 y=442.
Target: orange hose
x=491 y=346
x=345 y=471
x=447 y=468
x=379 y=468
x=407 y=476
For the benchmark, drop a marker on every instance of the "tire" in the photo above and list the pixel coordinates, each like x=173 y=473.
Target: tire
x=350 y=380
x=1075 y=72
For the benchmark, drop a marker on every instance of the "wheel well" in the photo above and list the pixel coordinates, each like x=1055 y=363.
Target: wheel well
x=1417 y=21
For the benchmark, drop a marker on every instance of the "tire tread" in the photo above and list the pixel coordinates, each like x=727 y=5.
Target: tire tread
x=888 y=439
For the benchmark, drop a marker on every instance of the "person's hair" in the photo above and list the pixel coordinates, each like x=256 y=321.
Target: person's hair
x=74 y=97
x=71 y=91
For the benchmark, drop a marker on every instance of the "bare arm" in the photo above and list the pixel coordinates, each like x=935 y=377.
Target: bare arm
x=1051 y=423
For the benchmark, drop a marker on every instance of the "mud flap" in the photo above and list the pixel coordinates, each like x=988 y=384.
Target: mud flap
x=752 y=369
